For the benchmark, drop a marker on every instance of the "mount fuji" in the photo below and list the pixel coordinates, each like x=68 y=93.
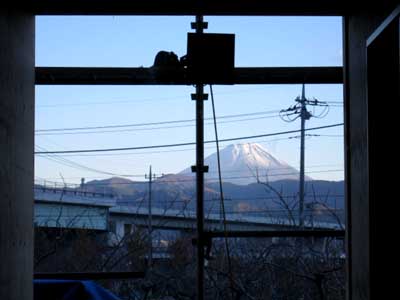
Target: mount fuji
x=242 y=164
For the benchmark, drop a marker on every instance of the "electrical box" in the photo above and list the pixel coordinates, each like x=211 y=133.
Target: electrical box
x=211 y=58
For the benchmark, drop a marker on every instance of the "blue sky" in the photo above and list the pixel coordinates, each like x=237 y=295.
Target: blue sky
x=133 y=42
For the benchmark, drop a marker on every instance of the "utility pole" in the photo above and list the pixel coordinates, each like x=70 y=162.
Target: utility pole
x=150 y=177
x=304 y=115
x=299 y=110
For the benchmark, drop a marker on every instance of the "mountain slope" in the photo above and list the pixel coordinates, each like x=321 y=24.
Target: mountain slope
x=179 y=192
x=243 y=163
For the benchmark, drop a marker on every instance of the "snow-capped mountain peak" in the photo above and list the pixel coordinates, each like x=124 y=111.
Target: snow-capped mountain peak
x=244 y=163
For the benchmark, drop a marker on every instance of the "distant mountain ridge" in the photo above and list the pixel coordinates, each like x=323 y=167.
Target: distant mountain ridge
x=242 y=165
x=180 y=189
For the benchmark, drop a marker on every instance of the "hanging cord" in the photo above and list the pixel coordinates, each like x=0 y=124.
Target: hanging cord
x=222 y=195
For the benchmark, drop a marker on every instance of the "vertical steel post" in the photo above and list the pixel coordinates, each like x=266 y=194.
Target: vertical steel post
x=199 y=168
x=200 y=189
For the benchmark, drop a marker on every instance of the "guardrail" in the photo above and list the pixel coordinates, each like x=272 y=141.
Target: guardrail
x=73 y=191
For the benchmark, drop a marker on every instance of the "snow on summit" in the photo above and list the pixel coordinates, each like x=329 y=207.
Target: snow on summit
x=243 y=163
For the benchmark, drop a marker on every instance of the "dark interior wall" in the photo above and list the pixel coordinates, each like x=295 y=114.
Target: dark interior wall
x=383 y=97
x=16 y=154
x=357 y=28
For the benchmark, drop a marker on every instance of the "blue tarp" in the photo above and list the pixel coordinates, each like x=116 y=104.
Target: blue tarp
x=45 y=289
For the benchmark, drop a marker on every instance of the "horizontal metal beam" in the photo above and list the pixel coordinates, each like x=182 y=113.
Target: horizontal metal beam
x=147 y=76
x=278 y=233
x=190 y=7
x=90 y=276
x=289 y=75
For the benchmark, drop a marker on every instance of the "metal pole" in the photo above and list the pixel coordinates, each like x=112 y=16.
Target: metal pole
x=303 y=116
x=200 y=190
x=199 y=97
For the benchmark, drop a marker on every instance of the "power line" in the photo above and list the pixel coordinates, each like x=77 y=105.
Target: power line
x=182 y=144
x=157 y=152
x=75 y=165
x=221 y=190
x=150 y=128
x=154 y=123
x=72 y=164
x=225 y=172
x=136 y=100
x=115 y=101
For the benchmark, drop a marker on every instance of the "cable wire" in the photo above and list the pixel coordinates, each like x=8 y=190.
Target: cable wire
x=75 y=165
x=228 y=255
x=183 y=144
x=154 y=123
x=150 y=128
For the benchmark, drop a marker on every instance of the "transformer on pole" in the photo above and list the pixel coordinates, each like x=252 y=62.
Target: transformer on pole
x=299 y=110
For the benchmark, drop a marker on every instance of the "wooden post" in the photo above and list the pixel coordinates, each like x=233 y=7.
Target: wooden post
x=17 y=92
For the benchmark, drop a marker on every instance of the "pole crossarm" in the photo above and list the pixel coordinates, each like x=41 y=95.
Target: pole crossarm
x=145 y=76
x=191 y=7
